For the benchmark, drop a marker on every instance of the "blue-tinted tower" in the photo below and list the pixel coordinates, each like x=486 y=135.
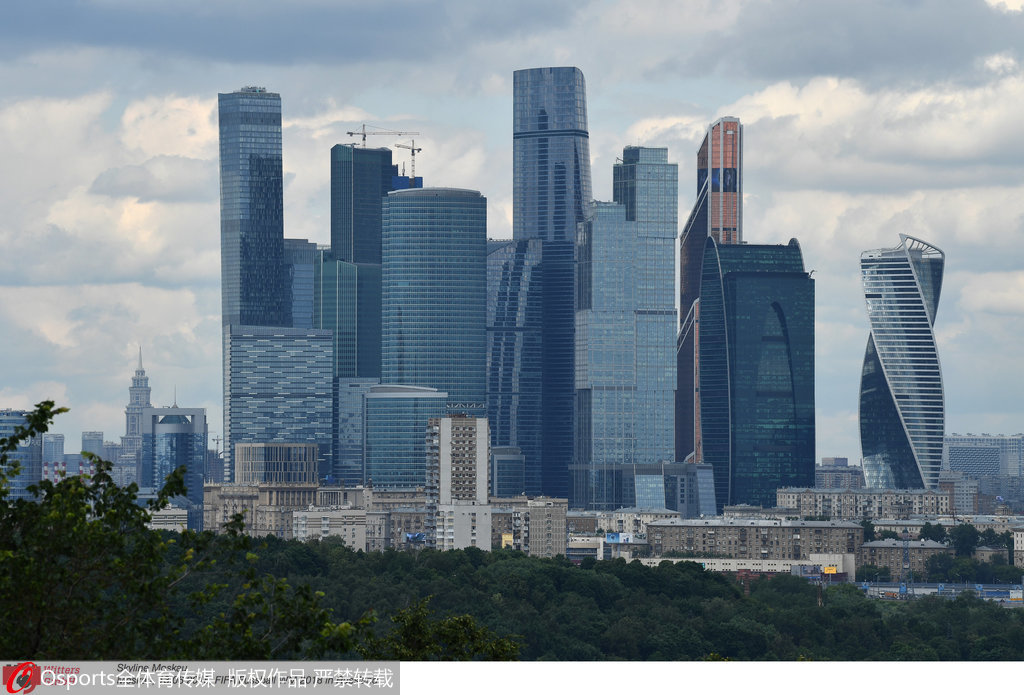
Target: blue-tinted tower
x=515 y=353
x=756 y=370
x=551 y=189
x=395 y=419
x=625 y=336
x=173 y=438
x=255 y=286
x=902 y=406
x=434 y=296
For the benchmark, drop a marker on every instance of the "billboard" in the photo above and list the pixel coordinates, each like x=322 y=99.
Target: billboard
x=618 y=538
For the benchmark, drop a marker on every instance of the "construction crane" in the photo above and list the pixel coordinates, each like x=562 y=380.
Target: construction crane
x=363 y=132
x=412 y=155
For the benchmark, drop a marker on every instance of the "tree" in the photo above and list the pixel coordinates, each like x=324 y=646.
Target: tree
x=964 y=539
x=930 y=532
x=82 y=576
x=869 y=530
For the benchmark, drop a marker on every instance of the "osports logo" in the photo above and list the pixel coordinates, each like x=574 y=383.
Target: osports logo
x=22 y=678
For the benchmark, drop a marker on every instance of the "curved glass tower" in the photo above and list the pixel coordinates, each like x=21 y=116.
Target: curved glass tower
x=434 y=293
x=902 y=418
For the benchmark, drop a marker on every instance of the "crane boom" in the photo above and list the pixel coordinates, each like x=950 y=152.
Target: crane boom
x=412 y=154
x=377 y=130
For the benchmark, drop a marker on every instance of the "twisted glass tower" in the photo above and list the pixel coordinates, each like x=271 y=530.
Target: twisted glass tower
x=902 y=419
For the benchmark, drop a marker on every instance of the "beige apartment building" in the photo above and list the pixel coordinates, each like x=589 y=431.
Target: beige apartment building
x=766 y=539
x=864 y=503
x=266 y=508
x=889 y=553
x=535 y=525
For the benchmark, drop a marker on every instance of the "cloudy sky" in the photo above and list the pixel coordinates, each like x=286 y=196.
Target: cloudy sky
x=863 y=120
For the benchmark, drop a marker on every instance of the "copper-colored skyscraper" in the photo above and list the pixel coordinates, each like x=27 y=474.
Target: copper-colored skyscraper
x=717 y=213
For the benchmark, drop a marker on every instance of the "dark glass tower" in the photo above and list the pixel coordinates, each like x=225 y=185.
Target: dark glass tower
x=434 y=297
x=550 y=192
x=255 y=283
x=360 y=178
x=902 y=411
x=514 y=353
x=755 y=374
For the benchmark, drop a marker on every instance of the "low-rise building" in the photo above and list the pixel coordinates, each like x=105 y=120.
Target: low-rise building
x=322 y=522
x=535 y=525
x=867 y=503
x=765 y=539
x=889 y=553
x=266 y=508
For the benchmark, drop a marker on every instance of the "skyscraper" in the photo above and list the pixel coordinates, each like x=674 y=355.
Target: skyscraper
x=28 y=455
x=551 y=189
x=434 y=296
x=278 y=388
x=514 y=355
x=138 y=398
x=717 y=213
x=255 y=287
x=902 y=410
x=171 y=438
x=625 y=333
x=755 y=371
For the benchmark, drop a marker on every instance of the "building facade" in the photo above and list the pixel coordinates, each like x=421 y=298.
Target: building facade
x=28 y=456
x=551 y=188
x=434 y=296
x=754 y=538
x=717 y=213
x=138 y=398
x=867 y=503
x=173 y=438
x=902 y=407
x=756 y=371
x=515 y=320
x=395 y=419
x=625 y=332
x=278 y=389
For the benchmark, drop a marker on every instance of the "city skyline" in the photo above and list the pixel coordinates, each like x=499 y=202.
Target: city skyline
x=112 y=243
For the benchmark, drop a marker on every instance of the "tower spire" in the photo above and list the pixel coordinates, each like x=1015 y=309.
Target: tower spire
x=140 y=358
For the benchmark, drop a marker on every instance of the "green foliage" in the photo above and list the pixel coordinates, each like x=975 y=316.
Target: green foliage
x=930 y=532
x=964 y=539
x=869 y=530
x=82 y=576
x=872 y=573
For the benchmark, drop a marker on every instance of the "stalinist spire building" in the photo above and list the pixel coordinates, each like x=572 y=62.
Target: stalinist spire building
x=138 y=398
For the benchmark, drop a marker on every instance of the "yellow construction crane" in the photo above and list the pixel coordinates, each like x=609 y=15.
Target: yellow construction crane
x=377 y=130
x=412 y=155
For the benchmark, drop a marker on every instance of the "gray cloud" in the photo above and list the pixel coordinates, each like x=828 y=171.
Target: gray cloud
x=169 y=179
x=875 y=40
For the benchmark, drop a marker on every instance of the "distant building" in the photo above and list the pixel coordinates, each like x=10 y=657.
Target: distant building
x=889 y=554
x=754 y=538
x=53 y=448
x=841 y=476
x=92 y=442
x=131 y=443
x=172 y=438
x=395 y=418
x=458 y=457
x=625 y=333
x=275 y=463
x=867 y=503
x=1010 y=448
x=508 y=471
x=535 y=525
x=29 y=455
x=962 y=491
x=266 y=508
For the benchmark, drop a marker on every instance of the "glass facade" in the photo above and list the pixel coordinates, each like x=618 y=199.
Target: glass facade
x=279 y=388
x=360 y=177
x=902 y=407
x=301 y=257
x=434 y=293
x=171 y=438
x=395 y=419
x=348 y=303
x=514 y=354
x=625 y=334
x=255 y=288
x=348 y=429
x=755 y=371
x=29 y=455
x=717 y=213
x=551 y=188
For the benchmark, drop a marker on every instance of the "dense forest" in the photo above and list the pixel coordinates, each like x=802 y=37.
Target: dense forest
x=617 y=610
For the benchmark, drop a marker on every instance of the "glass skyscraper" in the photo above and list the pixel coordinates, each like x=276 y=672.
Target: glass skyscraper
x=255 y=287
x=171 y=438
x=396 y=419
x=434 y=296
x=755 y=374
x=28 y=455
x=717 y=213
x=551 y=189
x=902 y=410
x=514 y=353
x=625 y=336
